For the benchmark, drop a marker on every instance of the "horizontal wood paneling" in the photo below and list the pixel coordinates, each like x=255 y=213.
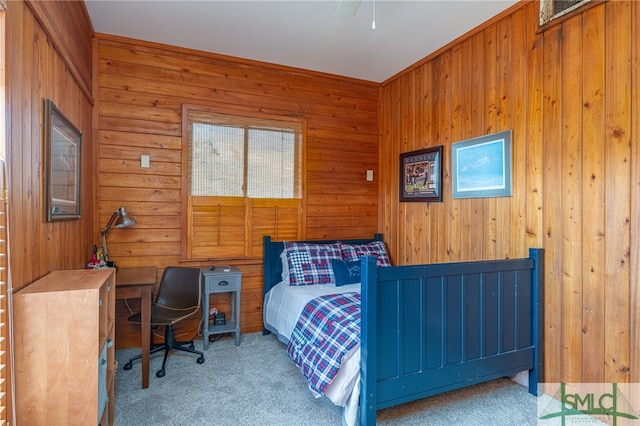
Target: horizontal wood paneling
x=141 y=88
x=568 y=93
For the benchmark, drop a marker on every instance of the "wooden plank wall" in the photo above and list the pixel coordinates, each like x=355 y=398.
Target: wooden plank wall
x=568 y=93
x=139 y=90
x=39 y=68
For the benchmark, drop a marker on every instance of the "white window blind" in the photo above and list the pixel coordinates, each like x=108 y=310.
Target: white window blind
x=243 y=156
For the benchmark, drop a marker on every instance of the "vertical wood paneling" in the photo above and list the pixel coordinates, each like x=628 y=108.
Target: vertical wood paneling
x=454 y=214
x=490 y=109
x=476 y=205
x=571 y=220
x=460 y=132
x=38 y=70
x=69 y=31
x=552 y=211
x=635 y=198
x=384 y=187
x=442 y=106
x=407 y=112
x=594 y=209
x=534 y=159
x=419 y=227
x=617 y=199
x=569 y=94
x=426 y=220
x=403 y=224
x=505 y=84
x=517 y=71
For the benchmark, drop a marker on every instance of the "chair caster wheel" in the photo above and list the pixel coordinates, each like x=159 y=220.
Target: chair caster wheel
x=160 y=373
x=200 y=360
x=127 y=366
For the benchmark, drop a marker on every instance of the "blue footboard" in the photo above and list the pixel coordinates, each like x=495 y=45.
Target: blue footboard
x=428 y=329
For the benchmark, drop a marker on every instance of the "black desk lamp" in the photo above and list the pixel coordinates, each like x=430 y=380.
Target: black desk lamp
x=122 y=220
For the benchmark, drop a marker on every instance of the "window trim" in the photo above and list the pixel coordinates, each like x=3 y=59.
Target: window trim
x=184 y=201
x=565 y=14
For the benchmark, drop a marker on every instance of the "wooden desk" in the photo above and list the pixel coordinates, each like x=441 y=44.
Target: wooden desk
x=132 y=283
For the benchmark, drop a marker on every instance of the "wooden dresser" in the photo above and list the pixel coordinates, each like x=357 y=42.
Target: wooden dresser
x=64 y=348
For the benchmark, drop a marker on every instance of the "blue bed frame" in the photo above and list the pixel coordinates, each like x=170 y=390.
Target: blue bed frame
x=428 y=329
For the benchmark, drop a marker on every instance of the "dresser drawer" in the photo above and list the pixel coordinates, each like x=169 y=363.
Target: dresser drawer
x=221 y=283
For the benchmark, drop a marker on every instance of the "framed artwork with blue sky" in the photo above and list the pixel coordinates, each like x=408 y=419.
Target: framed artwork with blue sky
x=481 y=167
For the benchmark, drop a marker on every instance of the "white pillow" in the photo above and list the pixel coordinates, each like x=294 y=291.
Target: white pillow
x=285 y=266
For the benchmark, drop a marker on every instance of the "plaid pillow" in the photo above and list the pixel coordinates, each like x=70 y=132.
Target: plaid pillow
x=351 y=252
x=311 y=263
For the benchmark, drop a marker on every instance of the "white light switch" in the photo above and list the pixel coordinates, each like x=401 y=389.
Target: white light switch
x=144 y=161
x=369 y=175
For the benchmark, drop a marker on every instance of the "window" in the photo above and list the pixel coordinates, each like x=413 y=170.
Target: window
x=242 y=156
x=243 y=181
x=553 y=9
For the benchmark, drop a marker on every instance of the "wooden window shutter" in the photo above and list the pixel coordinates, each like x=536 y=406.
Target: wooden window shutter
x=216 y=227
x=280 y=218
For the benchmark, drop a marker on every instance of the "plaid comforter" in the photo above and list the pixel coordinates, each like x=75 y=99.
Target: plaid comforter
x=327 y=329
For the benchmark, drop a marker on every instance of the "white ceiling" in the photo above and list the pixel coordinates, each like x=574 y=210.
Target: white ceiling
x=301 y=33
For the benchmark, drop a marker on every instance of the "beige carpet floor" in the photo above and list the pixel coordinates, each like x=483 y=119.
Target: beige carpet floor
x=257 y=384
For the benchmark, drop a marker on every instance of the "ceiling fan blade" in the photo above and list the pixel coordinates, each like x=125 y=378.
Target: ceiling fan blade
x=346 y=8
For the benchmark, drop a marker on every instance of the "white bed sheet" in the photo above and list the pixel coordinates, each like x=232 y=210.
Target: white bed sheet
x=283 y=305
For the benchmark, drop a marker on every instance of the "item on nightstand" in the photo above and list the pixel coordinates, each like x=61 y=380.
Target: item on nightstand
x=94 y=263
x=219 y=319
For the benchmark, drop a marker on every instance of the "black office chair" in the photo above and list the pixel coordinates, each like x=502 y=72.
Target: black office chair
x=178 y=298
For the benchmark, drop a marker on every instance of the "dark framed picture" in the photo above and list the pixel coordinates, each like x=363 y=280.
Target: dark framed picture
x=62 y=142
x=421 y=175
x=481 y=166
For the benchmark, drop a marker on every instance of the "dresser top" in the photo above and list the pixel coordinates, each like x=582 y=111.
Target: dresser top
x=74 y=279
